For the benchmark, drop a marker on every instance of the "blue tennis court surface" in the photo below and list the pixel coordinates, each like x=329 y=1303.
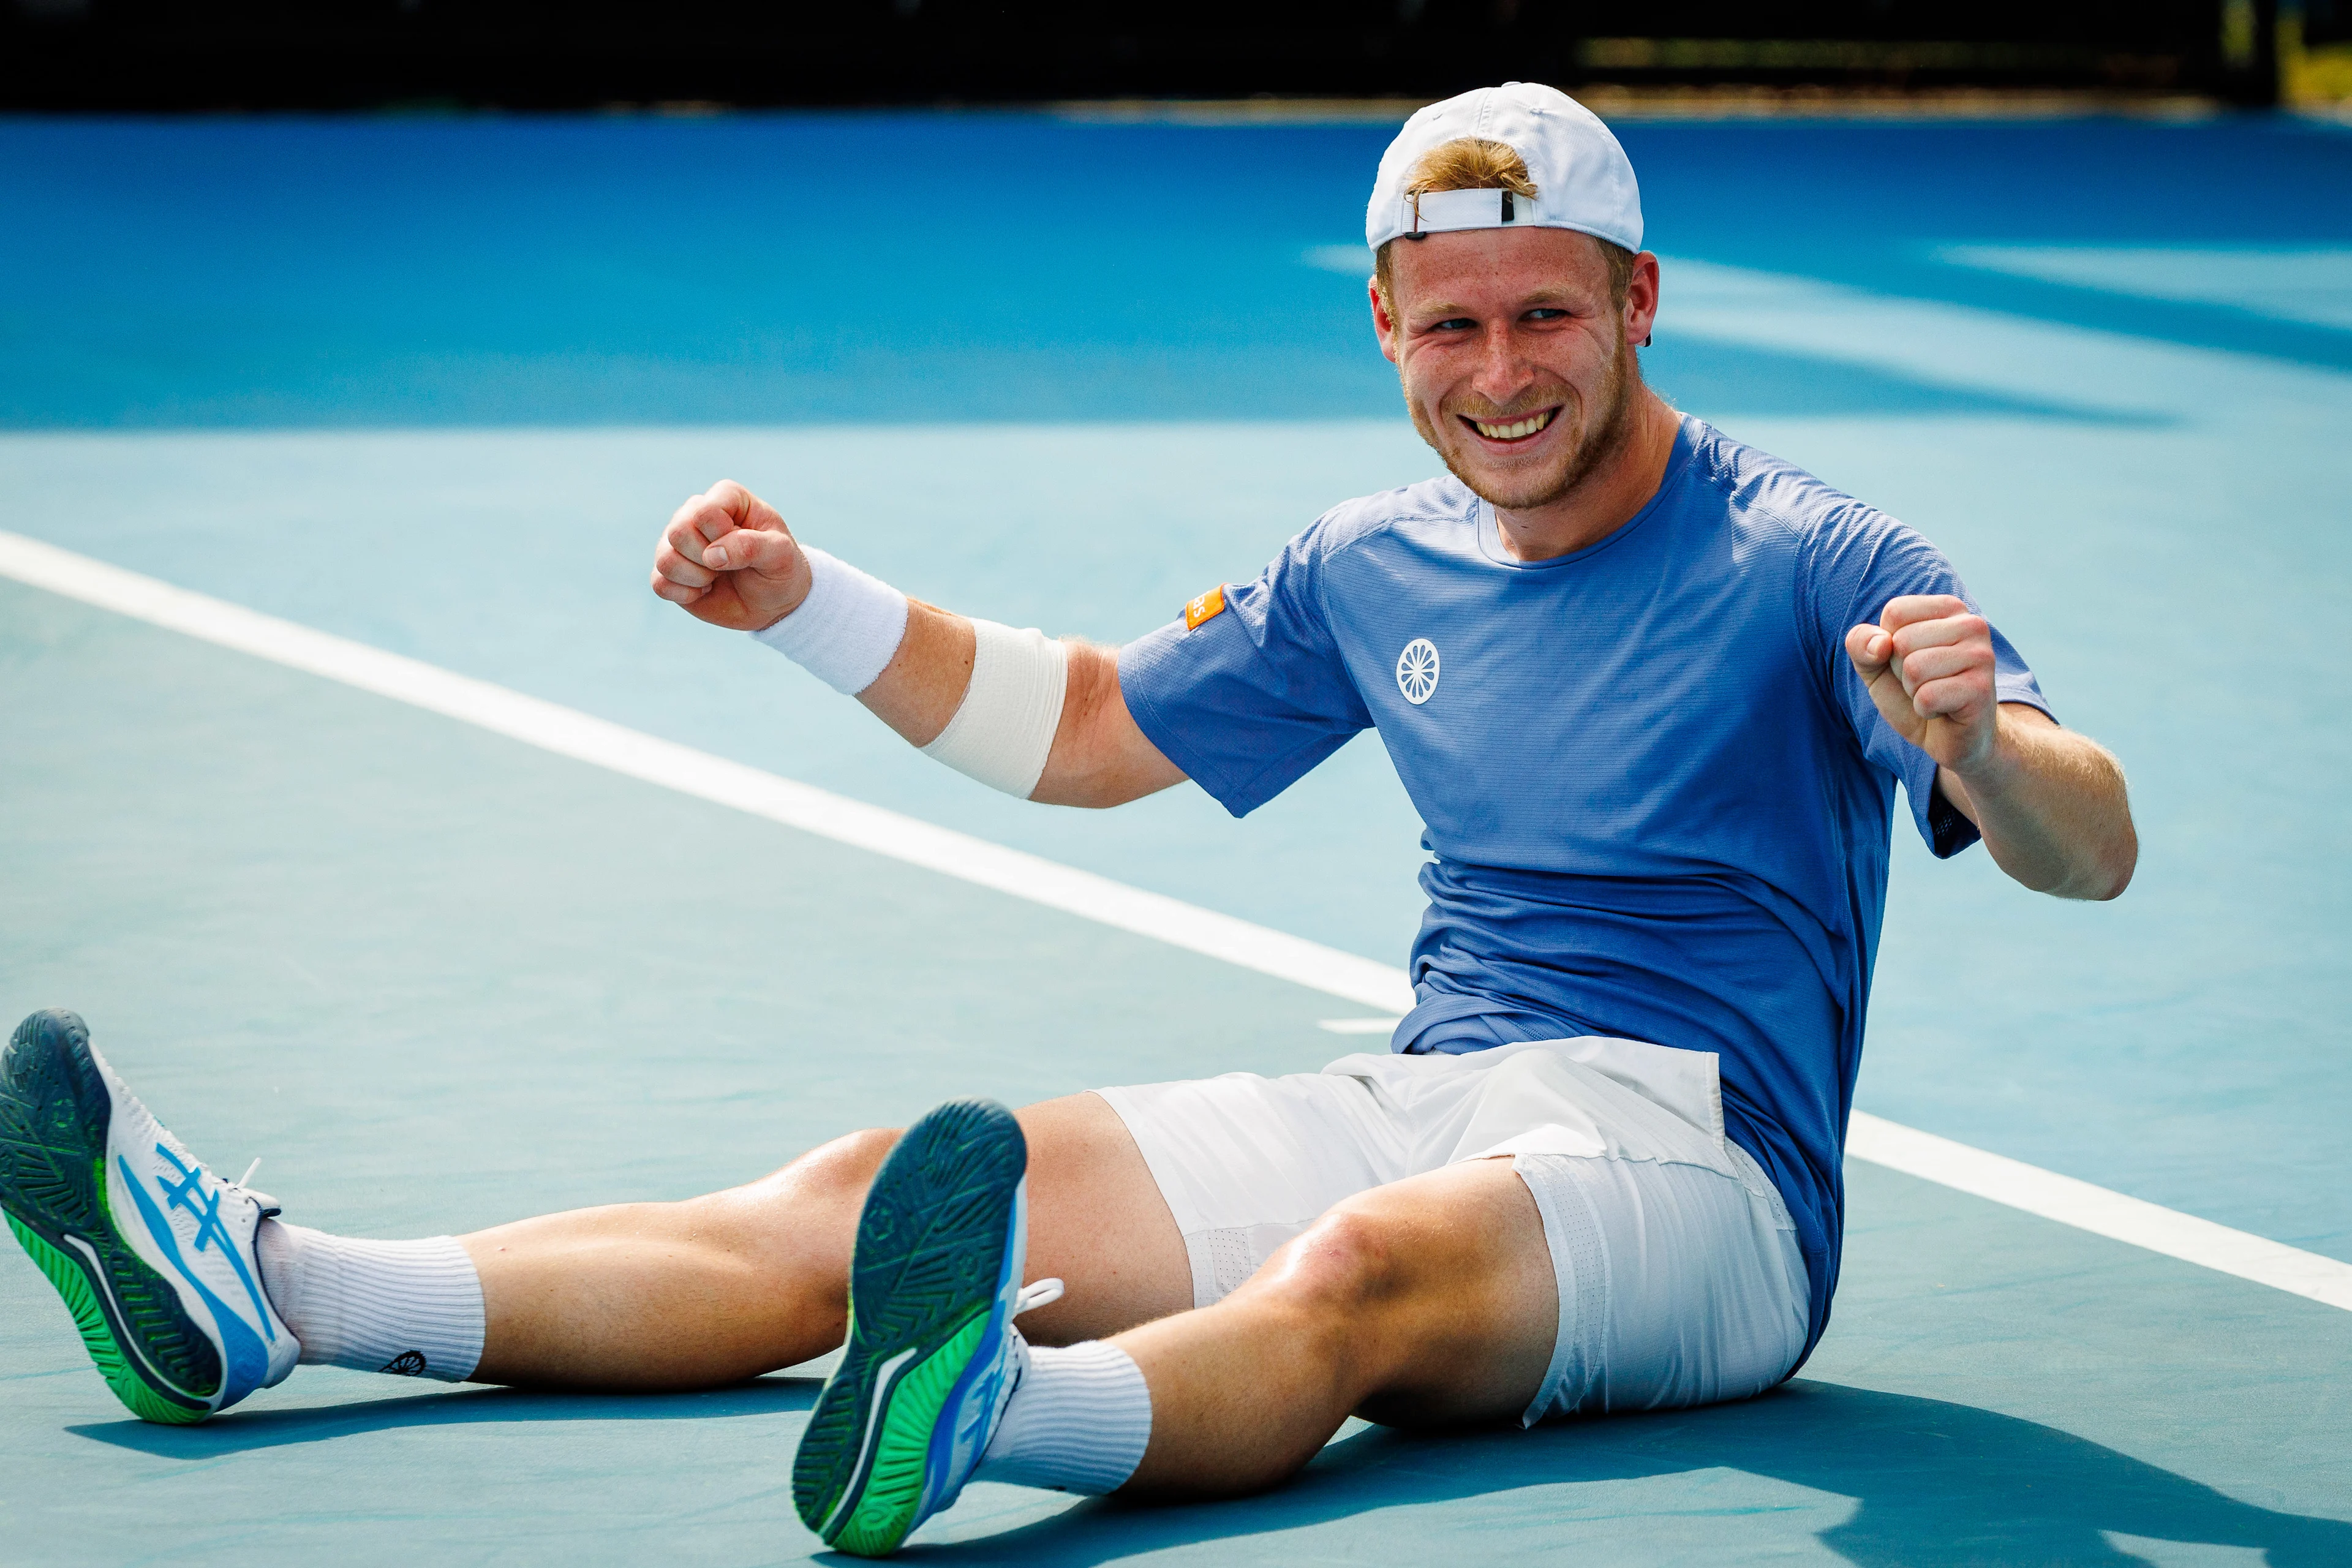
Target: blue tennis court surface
x=433 y=385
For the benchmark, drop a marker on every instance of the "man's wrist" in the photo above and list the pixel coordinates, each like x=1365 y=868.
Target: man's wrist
x=844 y=630
x=1999 y=764
x=808 y=587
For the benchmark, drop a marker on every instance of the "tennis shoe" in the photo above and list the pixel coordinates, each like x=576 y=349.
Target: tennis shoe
x=153 y=1253
x=932 y=1355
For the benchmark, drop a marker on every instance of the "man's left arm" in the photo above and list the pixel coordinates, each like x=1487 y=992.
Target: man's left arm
x=2050 y=803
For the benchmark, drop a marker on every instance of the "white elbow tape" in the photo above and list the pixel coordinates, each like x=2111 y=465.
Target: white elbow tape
x=1004 y=728
x=847 y=630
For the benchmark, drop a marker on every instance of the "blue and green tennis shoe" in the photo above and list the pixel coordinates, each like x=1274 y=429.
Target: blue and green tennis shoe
x=153 y=1253
x=933 y=1355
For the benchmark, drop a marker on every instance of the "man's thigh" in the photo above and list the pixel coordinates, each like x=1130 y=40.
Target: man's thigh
x=1097 y=1221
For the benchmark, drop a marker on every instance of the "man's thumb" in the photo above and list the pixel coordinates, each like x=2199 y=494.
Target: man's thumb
x=760 y=550
x=1871 y=649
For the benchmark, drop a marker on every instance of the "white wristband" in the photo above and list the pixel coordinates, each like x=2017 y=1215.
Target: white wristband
x=846 y=629
x=1004 y=729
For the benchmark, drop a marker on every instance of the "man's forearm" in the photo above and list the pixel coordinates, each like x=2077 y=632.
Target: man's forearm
x=2052 y=808
x=921 y=686
x=1011 y=709
x=1099 y=757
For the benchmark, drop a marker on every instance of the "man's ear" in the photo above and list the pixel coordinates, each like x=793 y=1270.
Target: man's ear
x=1642 y=299
x=1383 y=327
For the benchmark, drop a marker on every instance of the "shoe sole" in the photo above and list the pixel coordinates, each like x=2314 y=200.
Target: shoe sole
x=55 y=1113
x=932 y=1245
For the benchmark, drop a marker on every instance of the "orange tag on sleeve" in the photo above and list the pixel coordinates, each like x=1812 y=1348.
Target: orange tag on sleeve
x=1207 y=607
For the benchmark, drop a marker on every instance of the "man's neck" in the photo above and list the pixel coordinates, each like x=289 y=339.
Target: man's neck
x=1607 y=499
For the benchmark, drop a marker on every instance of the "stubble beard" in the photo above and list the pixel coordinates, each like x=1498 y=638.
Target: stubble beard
x=1597 y=442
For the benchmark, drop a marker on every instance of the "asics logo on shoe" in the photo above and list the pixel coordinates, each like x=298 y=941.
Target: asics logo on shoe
x=246 y=1357
x=189 y=1194
x=407 y=1363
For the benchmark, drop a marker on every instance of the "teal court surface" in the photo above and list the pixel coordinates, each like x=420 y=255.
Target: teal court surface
x=444 y=954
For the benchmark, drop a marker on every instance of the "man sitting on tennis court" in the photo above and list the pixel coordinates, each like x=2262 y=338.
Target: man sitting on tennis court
x=1652 y=691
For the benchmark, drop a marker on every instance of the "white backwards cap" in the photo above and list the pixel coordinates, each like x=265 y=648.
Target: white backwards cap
x=1584 y=180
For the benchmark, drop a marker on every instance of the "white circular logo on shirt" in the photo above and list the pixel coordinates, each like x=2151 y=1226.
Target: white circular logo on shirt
x=1417 y=670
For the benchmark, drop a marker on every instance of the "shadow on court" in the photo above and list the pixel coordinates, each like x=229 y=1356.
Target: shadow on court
x=1936 y=1484
x=252 y=1429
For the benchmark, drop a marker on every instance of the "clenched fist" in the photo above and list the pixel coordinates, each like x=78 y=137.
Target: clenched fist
x=728 y=558
x=1928 y=663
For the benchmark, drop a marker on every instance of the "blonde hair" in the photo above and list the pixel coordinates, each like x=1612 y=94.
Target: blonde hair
x=1471 y=164
x=1476 y=163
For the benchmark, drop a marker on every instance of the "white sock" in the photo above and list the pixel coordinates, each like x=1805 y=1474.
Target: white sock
x=410 y=1308
x=1078 y=1421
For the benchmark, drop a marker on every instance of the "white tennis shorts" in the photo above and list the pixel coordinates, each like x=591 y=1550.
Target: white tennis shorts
x=1680 y=1279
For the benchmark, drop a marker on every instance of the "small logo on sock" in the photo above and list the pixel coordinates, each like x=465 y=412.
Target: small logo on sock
x=407 y=1363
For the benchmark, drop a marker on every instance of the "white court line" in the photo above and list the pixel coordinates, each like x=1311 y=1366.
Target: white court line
x=571 y=733
x=2098 y=1210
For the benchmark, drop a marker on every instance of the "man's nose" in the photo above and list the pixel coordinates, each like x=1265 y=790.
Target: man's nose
x=1503 y=372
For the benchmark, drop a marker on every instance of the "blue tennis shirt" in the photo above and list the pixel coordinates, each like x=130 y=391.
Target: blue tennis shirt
x=1658 y=795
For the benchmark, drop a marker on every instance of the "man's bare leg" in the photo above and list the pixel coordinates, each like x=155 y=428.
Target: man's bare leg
x=1427 y=1303
x=717 y=1288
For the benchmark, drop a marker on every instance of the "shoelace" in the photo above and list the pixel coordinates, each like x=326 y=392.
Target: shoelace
x=1043 y=1293
x=269 y=1209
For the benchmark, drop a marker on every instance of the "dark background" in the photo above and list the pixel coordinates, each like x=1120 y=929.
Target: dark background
x=147 y=55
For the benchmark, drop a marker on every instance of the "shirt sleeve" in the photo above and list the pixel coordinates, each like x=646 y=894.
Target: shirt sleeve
x=1856 y=560
x=1253 y=697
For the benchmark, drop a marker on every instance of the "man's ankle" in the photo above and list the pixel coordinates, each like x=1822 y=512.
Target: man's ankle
x=410 y=1308
x=1078 y=1422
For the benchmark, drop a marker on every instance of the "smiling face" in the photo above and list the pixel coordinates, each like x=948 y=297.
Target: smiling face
x=1517 y=356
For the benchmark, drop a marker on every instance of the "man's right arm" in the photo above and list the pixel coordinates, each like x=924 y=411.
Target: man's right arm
x=728 y=558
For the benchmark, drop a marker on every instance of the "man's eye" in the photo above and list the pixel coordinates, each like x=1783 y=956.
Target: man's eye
x=1546 y=313
x=1452 y=324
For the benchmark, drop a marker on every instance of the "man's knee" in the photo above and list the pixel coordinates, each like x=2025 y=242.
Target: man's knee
x=1433 y=1304
x=843 y=1169
x=1341 y=1269
x=819 y=1193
